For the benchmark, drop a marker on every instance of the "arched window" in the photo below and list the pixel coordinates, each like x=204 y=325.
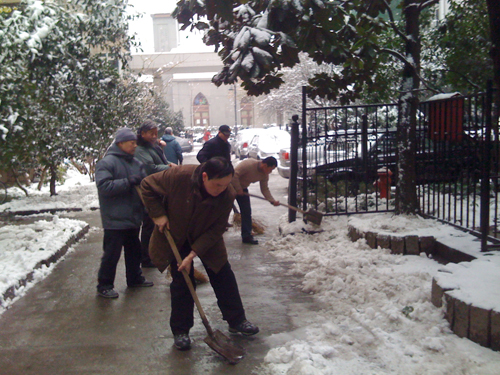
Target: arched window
x=201 y=111
x=246 y=111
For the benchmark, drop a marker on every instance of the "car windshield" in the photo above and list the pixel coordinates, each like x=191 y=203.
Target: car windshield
x=273 y=142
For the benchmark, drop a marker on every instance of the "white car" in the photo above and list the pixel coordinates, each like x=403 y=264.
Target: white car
x=268 y=143
x=242 y=141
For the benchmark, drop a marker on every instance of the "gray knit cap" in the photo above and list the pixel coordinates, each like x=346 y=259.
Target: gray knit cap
x=124 y=135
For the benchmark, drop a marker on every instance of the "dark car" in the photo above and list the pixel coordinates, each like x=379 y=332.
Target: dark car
x=435 y=160
x=185 y=143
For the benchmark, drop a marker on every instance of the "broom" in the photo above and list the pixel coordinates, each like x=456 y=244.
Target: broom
x=199 y=276
x=257 y=225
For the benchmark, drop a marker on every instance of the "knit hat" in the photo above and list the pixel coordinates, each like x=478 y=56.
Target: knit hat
x=124 y=135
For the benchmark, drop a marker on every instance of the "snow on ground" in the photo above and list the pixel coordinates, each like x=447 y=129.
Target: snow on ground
x=24 y=246
x=374 y=312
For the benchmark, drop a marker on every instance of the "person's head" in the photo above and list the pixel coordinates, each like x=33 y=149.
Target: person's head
x=169 y=131
x=224 y=132
x=268 y=164
x=126 y=140
x=216 y=175
x=148 y=131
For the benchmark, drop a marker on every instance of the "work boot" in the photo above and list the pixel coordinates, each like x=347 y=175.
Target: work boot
x=107 y=293
x=245 y=327
x=182 y=341
x=141 y=283
x=250 y=240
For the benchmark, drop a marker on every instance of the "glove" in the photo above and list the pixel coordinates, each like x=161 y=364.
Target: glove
x=134 y=179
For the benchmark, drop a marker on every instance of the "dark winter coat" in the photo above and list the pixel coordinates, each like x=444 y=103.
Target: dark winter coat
x=214 y=147
x=172 y=149
x=120 y=205
x=177 y=194
x=152 y=157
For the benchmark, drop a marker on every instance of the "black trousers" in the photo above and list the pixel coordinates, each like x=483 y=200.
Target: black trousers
x=148 y=226
x=246 y=214
x=226 y=291
x=114 y=241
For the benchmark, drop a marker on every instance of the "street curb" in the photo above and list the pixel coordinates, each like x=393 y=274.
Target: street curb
x=11 y=292
x=43 y=211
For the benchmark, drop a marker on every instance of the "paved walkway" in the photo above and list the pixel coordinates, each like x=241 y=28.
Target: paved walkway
x=61 y=327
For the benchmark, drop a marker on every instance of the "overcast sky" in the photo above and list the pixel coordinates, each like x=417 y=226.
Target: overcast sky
x=144 y=26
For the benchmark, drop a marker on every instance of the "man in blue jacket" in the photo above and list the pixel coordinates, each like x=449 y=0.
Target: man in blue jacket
x=172 y=149
x=117 y=175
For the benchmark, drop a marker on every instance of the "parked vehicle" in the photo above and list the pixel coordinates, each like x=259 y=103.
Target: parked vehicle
x=242 y=141
x=343 y=159
x=185 y=143
x=268 y=143
x=435 y=160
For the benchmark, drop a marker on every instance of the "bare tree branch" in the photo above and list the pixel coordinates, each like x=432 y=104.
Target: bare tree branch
x=427 y=3
x=392 y=23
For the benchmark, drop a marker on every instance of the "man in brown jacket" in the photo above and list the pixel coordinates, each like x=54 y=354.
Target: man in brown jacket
x=247 y=172
x=194 y=203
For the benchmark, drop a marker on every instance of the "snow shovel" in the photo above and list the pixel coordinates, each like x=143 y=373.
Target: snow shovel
x=311 y=215
x=215 y=339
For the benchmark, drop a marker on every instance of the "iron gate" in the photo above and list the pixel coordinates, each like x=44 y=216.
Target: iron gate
x=344 y=161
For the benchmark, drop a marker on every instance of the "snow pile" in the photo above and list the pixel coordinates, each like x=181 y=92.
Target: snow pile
x=25 y=246
x=76 y=192
x=468 y=287
x=374 y=311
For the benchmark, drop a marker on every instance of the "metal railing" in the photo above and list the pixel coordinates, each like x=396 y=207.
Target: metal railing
x=344 y=161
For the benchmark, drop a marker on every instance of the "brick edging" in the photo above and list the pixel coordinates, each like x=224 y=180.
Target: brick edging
x=466 y=320
x=10 y=293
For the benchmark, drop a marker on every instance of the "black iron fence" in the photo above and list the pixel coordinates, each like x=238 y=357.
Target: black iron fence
x=344 y=161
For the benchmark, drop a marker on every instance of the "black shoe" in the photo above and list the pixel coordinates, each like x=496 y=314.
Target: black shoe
x=148 y=264
x=250 y=240
x=107 y=293
x=182 y=341
x=142 y=284
x=245 y=327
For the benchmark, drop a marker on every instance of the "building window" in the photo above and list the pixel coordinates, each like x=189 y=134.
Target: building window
x=201 y=115
x=246 y=112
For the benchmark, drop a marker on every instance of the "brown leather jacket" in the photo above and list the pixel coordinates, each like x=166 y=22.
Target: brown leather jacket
x=202 y=222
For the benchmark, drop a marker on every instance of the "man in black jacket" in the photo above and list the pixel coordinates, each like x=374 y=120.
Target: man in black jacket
x=217 y=146
x=117 y=175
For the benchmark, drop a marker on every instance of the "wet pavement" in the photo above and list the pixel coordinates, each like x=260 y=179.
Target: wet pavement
x=61 y=327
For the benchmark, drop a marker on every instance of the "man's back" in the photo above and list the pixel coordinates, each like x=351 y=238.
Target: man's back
x=214 y=147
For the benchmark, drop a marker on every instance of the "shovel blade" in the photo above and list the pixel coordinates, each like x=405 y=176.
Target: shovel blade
x=314 y=216
x=223 y=345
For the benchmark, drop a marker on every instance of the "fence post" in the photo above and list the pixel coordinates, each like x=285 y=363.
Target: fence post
x=485 y=175
x=292 y=182
x=304 y=150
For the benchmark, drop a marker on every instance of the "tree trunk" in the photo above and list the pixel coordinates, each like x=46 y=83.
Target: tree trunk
x=53 y=179
x=42 y=177
x=494 y=15
x=406 y=189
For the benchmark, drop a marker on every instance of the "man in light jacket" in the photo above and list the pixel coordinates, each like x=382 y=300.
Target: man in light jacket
x=117 y=175
x=245 y=173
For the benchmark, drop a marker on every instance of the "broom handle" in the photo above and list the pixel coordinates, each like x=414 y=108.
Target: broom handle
x=281 y=204
x=184 y=273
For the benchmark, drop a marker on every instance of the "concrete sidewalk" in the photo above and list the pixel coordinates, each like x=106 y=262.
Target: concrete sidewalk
x=61 y=327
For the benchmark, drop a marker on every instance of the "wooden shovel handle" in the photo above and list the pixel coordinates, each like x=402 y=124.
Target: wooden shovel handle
x=189 y=282
x=177 y=255
x=281 y=204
